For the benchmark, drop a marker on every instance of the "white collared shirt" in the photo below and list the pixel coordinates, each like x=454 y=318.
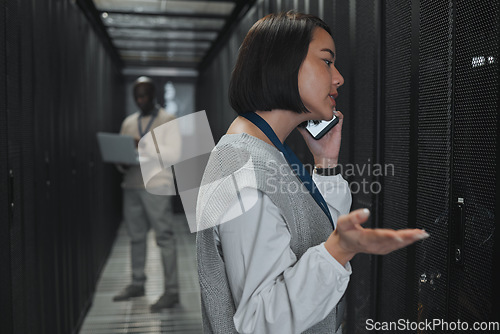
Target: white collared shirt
x=272 y=291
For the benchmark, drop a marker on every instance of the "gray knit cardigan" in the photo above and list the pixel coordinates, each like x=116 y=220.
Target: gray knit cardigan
x=238 y=161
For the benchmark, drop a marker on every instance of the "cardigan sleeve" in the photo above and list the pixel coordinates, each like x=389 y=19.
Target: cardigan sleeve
x=336 y=192
x=273 y=291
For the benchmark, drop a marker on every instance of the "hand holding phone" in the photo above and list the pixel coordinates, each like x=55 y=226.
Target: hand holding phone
x=319 y=130
x=325 y=150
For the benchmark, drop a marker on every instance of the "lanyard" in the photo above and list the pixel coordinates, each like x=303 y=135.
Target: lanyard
x=153 y=116
x=293 y=161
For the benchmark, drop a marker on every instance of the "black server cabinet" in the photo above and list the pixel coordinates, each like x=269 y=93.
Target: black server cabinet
x=475 y=140
x=440 y=132
x=6 y=186
x=395 y=144
x=59 y=205
x=433 y=112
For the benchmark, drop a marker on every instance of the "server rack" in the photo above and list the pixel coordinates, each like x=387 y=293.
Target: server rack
x=60 y=206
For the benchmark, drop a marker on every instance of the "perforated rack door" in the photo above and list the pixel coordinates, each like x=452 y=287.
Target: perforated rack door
x=433 y=169
x=55 y=240
x=474 y=156
x=361 y=119
x=392 y=293
x=14 y=118
x=6 y=325
x=450 y=86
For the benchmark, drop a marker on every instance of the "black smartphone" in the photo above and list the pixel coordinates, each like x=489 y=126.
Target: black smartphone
x=319 y=130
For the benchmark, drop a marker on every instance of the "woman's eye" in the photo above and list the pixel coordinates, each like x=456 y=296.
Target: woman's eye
x=328 y=62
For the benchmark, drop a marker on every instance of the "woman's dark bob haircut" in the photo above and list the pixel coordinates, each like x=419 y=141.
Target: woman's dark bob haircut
x=267 y=70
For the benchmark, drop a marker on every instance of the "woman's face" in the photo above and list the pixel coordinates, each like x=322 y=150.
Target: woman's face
x=318 y=77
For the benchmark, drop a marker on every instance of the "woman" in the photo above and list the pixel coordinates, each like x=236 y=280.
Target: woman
x=274 y=258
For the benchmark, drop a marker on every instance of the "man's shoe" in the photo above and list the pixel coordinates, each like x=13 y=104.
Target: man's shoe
x=168 y=300
x=129 y=292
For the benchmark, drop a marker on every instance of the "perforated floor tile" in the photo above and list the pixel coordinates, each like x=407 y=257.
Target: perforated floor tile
x=108 y=317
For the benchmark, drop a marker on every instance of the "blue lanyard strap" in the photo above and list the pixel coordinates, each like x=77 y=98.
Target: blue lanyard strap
x=293 y=161
x=139 y=125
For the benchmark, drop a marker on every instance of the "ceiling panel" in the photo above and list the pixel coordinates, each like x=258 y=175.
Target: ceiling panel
x=165 y=32
x=150 y=21
x=164 y=44
x=128 y=5
x=165 y=57
x=168 y=7
x=125 y=33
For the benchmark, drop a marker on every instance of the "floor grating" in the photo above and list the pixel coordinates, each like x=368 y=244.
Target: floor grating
x=108 y=317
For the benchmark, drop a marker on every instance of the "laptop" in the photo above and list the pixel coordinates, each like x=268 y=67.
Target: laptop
x=117 y=148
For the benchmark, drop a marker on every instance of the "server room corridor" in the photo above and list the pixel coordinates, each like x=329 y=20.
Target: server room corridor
x=86 y=86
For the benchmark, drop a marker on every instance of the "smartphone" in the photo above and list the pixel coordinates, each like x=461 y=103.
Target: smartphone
x=319 y=130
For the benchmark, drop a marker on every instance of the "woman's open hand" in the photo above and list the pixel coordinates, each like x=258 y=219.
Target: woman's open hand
x=325 y=150
x=349 y=238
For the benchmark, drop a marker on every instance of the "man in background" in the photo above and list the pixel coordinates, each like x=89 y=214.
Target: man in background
x=143 y=210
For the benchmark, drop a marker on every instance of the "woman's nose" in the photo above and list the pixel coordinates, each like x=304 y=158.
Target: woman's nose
x=337 y=78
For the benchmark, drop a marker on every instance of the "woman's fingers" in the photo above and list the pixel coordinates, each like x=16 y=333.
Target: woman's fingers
x=353 y=219
x=339 y=115
x=383 y=241
x=373 y=241
x=412 y=234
